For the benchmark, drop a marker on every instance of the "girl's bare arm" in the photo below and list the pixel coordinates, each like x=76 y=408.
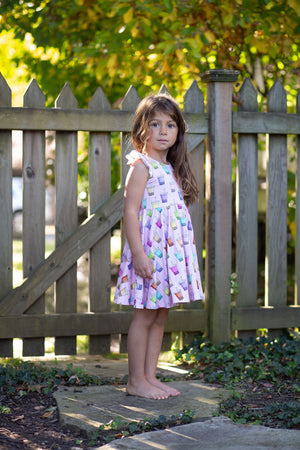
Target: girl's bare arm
x=134 y=190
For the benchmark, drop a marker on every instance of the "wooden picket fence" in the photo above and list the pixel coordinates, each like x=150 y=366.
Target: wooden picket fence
x=22 y=309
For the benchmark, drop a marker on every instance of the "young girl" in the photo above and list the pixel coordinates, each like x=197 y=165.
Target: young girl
x=159 y=267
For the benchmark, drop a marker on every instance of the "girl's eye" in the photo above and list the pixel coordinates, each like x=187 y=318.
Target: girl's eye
x=171 y=125
x=154 y=124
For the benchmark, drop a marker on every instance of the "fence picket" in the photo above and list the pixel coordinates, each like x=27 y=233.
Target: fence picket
x=99 y=191
x=6 y=217
x=66 y=217
x=33 y=207
x=163 y=89
x=276 y=218
x=129 y=103
x=194 y=103
x=246 y=207
x=297 y=245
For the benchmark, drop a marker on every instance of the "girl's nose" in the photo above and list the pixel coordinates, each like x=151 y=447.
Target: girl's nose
x=163 y=129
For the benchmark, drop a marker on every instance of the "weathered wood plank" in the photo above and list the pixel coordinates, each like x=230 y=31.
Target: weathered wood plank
x=217 y=75
x=297 y=245
x=66 y=174
x=82 y=120
x=18 y=301
x=246 y=204
x=261 y=122
x=129 y=104
x=273 y=318
x=194 y=103
x=6 y=216
x=194 y=140
x=99 y=192
x=276 y=220
x=105 y=323
x=117 y=120
x=218 y=210
x=33 y=207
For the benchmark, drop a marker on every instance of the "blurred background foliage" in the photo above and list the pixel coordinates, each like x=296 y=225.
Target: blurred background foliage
x=115 y=44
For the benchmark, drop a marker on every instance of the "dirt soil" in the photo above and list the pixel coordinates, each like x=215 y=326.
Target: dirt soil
x=33 y=423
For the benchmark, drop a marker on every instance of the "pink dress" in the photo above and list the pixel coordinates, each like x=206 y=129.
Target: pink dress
x=168 y=240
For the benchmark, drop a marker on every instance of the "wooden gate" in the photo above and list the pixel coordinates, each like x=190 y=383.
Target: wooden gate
x=22 y=309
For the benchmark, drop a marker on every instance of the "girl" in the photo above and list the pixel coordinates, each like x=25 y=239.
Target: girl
x=159 y=267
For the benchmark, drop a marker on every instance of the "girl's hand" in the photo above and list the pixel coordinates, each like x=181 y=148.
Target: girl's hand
x=142 y=266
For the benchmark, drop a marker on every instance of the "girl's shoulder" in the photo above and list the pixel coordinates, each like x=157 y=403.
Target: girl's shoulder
x=135 y=156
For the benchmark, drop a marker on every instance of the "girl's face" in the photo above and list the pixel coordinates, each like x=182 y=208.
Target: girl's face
x=162 y=134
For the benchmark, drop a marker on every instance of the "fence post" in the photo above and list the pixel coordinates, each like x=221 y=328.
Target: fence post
x=218 y=202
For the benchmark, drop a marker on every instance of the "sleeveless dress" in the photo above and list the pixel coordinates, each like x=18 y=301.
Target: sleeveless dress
x=168 y=240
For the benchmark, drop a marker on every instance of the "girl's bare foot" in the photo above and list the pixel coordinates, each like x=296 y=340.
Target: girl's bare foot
x=164 y=387
x=146 y=390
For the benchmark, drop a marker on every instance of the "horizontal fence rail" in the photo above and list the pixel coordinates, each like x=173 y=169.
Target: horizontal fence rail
x=265 y=317
x=81 y=120
x=104 y=323
x=260 y=122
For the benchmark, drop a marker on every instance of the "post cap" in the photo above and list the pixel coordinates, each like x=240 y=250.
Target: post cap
x=214 y=75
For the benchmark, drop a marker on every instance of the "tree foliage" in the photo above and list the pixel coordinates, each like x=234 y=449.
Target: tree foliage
x=147 y=42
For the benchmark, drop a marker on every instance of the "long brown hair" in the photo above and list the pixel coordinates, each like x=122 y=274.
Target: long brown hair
x=177 y=154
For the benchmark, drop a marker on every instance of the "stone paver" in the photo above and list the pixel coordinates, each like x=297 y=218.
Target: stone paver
x=89 y=407
x=216 y=433
x=86 y=408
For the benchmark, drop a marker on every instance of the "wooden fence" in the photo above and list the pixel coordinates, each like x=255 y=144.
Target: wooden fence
x=22 y=309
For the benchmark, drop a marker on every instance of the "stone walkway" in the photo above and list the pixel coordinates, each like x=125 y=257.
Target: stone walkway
x=88 y=407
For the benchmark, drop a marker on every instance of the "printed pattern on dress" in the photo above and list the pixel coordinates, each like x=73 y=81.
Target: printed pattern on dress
x=168 y=240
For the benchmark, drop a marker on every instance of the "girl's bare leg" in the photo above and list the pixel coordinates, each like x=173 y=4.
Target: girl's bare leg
x=155 y=338
x=137 y=340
